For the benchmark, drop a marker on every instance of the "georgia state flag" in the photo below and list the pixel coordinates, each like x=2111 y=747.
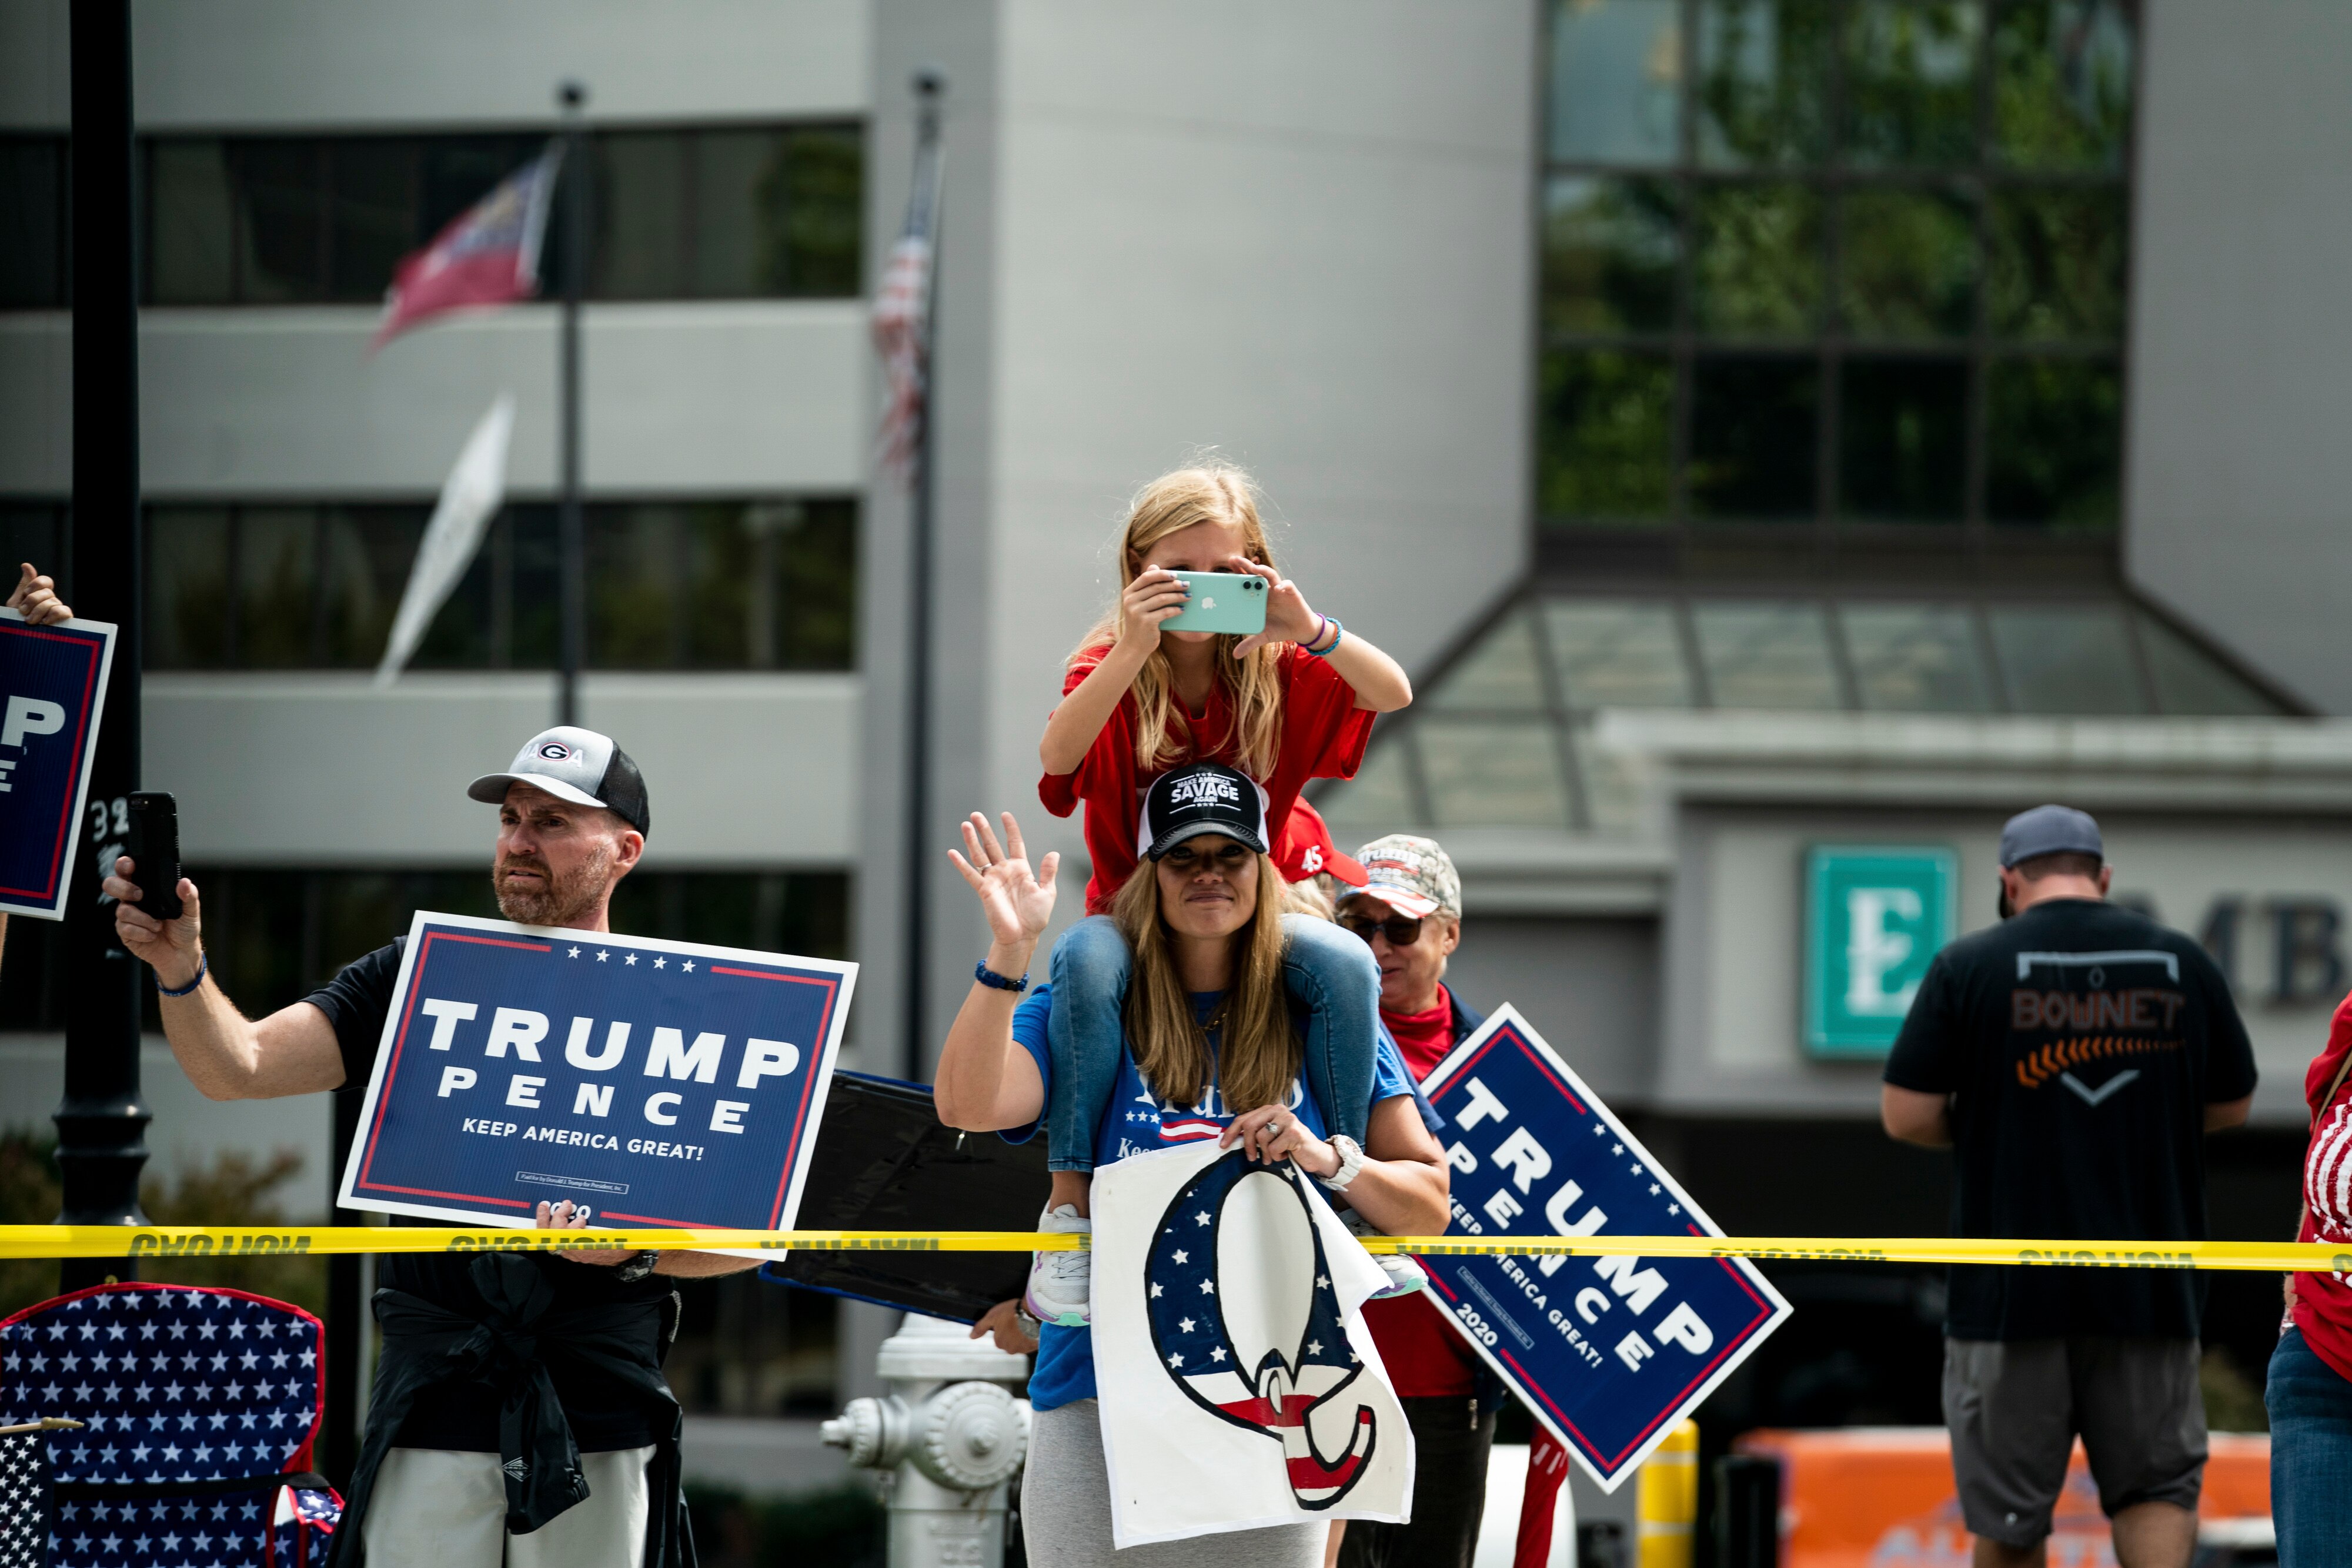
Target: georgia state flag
x=1239 y=1387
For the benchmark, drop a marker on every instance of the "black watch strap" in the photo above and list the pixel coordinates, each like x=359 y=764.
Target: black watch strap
x=637 y=1268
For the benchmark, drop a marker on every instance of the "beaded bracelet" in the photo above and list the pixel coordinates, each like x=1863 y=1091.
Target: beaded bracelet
x=990 y=979
x=203 y=962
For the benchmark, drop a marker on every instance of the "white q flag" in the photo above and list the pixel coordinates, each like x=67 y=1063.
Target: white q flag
x=476 y=488
x=1239 y=1387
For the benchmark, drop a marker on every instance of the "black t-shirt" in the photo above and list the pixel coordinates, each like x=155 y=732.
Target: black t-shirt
x=465 y=1416
x=2082 y=1044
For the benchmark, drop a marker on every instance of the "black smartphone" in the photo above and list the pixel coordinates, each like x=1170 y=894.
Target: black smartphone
x=154 y=846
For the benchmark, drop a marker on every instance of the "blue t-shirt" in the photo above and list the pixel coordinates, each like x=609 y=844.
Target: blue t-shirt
x=1137 y=1123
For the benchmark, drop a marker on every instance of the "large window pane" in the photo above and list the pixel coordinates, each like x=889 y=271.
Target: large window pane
x=810 y=215
x=2055 y=449
x=732 y=227
x=1752 y=436
x=187 y=588
x=2190 y=681
x=35 y=531
x=2061 y=84
x=815 y=551
x=641 y=217
x=1916 y=658
x=372 y=213
x=276 y=586
x=730 y=583
x=1903 y=439
x=1608 y=255
x=1767 y=655
x=192 y=218
x=1379 y=799
x=1499 y=775
x=1616 y=80
x=281 y=220
x=1500 y=673
x=2056 y=270
x=1612 y=654
x=635 y=611
x=1911 y=83
x=2069 y=659
x=1607 y=423
x=32 y=219
x=1763 y=82
x=1908 y=264
x=1755 y=259
x=532 y=607
x=369 y=551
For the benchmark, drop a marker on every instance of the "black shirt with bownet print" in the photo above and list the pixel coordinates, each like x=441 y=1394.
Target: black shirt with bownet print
x=465 y=1416
x=2080 y=1043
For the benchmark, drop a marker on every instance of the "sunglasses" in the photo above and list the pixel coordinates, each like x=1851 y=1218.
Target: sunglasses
x=1232 y=858
x=1401 y=930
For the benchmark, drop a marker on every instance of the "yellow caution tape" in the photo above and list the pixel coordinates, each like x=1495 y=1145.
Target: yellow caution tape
x=176 y=1242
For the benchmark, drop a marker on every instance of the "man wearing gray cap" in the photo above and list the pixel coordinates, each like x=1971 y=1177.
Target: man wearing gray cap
x=463 y=1464
x=2074 y=1056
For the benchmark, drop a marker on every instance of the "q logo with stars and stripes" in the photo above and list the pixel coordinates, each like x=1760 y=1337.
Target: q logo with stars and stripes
x=1245 y=1320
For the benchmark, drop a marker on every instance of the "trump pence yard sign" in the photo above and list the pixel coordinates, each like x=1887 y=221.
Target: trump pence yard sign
x=1607 y=1352
x=52 y=694
x=666 y=1083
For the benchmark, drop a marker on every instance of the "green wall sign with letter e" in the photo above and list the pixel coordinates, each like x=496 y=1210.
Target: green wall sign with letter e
x=1874 y=915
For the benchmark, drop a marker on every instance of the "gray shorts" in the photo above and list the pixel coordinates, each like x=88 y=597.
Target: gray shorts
x=2015 y=1407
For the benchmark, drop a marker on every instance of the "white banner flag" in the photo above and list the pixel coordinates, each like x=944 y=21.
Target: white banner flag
x=1239 y=1386
x=476 y=488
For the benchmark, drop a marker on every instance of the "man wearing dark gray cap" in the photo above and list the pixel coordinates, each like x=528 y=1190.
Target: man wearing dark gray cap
x=2074 y=1056
x=463 y=1464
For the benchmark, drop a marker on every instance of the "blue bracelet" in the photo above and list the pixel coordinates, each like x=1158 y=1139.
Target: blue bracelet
x=1339 y=635
x=203 y=962
x=994 y=981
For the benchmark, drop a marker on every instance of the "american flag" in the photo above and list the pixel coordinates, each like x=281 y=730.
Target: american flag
x=176 y=1387
x=902 y=310
x=23 y=1500
x=1256 y=1346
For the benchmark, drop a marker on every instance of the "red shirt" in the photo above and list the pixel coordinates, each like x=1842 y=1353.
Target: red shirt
x=1424 y=1358
x=1323 y=736
x=2322 y=1302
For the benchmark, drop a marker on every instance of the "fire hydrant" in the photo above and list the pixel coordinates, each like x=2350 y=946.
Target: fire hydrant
x=952 y=1436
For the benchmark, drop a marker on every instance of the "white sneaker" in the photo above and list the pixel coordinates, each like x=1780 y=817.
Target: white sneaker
x=1405 y=1276
x=1061 y=1284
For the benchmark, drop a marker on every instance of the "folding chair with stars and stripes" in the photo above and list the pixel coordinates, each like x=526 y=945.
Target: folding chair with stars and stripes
x=198 y=1408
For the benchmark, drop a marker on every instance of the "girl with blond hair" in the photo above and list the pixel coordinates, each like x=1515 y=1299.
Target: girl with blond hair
x=1284 y=706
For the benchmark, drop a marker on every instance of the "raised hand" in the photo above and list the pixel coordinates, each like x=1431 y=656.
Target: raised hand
x=36 y=598
x=170 y=947
x=1016 y=901
x=1287 y=619
x=1156 y=594
x=569 y=1215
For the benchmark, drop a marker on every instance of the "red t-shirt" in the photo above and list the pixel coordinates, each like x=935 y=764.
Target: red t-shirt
x=1323 y=736
x=1425 y=1358
x=2322 y=1302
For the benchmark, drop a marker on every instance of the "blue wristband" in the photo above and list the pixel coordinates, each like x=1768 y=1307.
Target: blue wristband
x=1339 y=635
x=994 y=981
x=203 y=962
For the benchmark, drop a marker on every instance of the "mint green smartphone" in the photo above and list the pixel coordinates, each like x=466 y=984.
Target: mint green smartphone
x=1231 y=601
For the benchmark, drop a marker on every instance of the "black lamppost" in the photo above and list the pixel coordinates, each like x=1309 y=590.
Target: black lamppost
x=102 y=1119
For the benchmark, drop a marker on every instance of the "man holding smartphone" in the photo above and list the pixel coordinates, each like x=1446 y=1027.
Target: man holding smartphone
x=464 y=1464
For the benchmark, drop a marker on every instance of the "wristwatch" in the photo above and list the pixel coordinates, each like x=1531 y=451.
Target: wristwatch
x=1352 y=1160
x=637 y=1268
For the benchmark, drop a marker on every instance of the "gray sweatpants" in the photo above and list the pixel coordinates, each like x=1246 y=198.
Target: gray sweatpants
x=1065 y=1510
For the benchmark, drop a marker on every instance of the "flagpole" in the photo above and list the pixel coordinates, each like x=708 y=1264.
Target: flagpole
x=928 y=85
x=573 y=579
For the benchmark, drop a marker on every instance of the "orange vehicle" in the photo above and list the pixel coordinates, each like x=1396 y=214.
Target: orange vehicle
x=1882 y=1497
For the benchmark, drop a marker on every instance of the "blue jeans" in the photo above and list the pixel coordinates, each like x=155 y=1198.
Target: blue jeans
x=1329 y=970
x=2311 y=1456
